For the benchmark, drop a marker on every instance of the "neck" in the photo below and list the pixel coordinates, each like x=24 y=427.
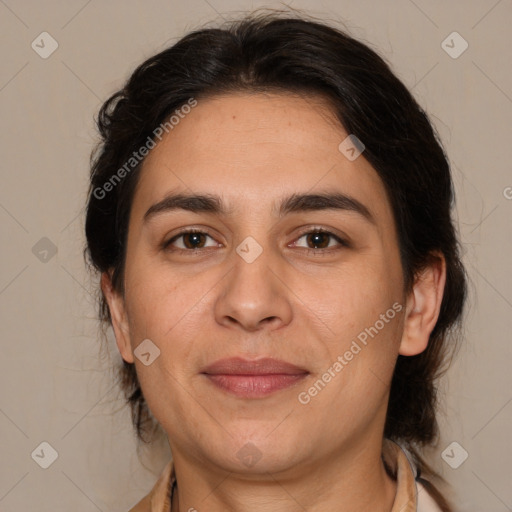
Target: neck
x=354 y=481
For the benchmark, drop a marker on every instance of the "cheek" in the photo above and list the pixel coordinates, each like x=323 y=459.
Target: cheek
x=174 y=311
x=165 y=312
x=160 y=300
x=351 y=390
x=353 y=298
x=364 y=311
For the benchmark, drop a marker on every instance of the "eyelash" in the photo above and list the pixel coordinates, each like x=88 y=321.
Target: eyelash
x=317 y=252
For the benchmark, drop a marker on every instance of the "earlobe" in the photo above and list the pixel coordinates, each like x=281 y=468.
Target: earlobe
x=118 y=315
x=423 y=307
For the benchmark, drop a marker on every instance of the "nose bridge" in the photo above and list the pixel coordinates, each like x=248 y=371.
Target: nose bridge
x=253 y=294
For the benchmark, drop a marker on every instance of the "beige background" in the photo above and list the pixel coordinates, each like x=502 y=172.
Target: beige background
x=56 y=385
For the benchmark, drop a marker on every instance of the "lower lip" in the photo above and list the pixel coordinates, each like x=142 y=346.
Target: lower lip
x=254 y=386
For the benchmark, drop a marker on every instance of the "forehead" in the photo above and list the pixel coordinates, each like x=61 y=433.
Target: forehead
x=254 y=148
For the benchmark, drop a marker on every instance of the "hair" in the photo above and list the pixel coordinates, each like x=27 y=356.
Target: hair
x=276 y=52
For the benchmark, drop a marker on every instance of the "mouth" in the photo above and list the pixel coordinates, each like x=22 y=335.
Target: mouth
x=253 y=379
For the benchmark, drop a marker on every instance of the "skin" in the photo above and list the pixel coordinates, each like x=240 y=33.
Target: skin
x=303 y=307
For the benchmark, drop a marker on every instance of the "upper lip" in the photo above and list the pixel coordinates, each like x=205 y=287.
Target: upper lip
x=241 y=366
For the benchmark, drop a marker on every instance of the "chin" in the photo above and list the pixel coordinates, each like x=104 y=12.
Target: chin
x=259 y=453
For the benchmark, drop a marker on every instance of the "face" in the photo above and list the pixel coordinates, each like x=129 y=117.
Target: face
x=293 y=257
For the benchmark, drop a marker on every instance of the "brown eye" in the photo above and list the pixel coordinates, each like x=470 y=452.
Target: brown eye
x=194 y=240
x=318 y=240
x=189 y=241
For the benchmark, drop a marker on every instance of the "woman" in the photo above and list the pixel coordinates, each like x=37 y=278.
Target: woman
x=270 y=213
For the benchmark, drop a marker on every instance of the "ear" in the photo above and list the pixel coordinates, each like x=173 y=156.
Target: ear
x=423 y=306
x=118 y=315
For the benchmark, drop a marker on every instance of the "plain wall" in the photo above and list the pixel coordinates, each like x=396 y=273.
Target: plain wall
x=55 y=384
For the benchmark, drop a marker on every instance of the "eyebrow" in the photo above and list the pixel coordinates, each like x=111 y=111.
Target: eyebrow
x=295 y=203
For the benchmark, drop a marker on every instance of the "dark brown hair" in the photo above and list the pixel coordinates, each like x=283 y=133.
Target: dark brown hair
x=291 y=53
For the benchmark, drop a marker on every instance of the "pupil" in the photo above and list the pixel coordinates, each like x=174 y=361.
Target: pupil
x=192 y=240
x=319 y=239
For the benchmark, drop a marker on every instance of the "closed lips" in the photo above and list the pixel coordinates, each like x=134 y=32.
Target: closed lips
x=264 y=366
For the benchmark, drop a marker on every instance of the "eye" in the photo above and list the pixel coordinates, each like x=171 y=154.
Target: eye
x=319 y=239
x=316 y=241
x=190 y=240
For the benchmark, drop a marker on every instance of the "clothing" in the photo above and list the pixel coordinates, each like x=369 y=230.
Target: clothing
x=410 y=496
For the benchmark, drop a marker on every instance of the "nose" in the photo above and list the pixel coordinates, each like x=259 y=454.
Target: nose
x=254 y=295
